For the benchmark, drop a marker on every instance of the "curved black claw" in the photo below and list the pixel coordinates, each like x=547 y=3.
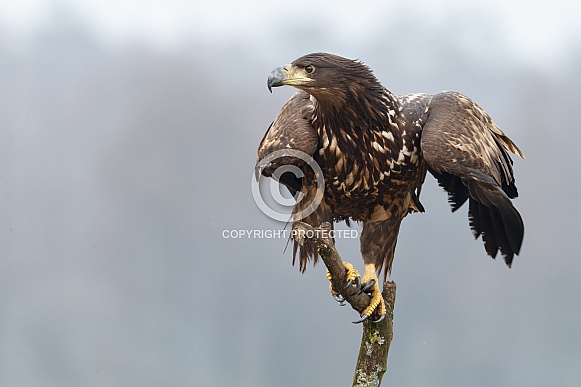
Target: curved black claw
x=349 y=283
x=357 y=289
x=340 y=299
x=367 y=287
x=380 y=319
x=363 y=318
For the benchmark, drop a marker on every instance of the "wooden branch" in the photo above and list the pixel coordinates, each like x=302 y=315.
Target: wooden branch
x=372 y=360
x=373 y=352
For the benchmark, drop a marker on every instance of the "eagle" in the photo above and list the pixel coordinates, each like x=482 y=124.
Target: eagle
x=374 y=150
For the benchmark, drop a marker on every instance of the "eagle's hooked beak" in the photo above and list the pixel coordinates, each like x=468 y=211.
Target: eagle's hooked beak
x=277 y=77
x=287 y=75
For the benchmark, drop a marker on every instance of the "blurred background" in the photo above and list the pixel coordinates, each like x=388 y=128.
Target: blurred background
x=128 y=136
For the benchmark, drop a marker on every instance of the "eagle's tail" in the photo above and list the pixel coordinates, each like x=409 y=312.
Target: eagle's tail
x=493 y=217
x=307 y=252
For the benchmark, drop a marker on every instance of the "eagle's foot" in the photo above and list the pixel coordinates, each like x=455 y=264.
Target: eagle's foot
x=376 y=304
x=352 y=275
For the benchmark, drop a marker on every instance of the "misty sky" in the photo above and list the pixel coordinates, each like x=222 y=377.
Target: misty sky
x=534 y=28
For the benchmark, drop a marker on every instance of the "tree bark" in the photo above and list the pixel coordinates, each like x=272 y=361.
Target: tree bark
x=372 y=360
x=376 y=339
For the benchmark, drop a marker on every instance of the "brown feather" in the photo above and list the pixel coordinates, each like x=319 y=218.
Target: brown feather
x=367 y=142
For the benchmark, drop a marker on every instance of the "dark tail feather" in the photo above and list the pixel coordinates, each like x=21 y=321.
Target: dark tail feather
x=493 y=216
x=474 y=218
x=307 y=252
x=488 y=234
x=457 y=190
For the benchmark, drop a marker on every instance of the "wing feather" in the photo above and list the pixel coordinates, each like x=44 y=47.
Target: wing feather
x=414 y=108
x=291 y=129
x=468 y=154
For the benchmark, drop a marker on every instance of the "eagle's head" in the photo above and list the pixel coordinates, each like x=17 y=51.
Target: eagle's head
x=331 y=79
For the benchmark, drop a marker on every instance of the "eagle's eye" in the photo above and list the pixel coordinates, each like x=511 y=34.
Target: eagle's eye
x=309 y=69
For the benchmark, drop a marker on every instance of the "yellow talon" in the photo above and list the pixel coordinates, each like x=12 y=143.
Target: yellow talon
x=352 y=274
x=329 y=276
x=376 y=297
x=376 y=302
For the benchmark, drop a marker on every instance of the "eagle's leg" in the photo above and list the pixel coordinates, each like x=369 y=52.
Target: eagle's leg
x=371 y=282
x=352 y=275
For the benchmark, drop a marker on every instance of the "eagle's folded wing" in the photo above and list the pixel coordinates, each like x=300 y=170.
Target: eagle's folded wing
x=291 y=130
x=468 y=154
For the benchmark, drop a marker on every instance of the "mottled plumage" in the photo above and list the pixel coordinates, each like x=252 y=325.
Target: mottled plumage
x=374 y=150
